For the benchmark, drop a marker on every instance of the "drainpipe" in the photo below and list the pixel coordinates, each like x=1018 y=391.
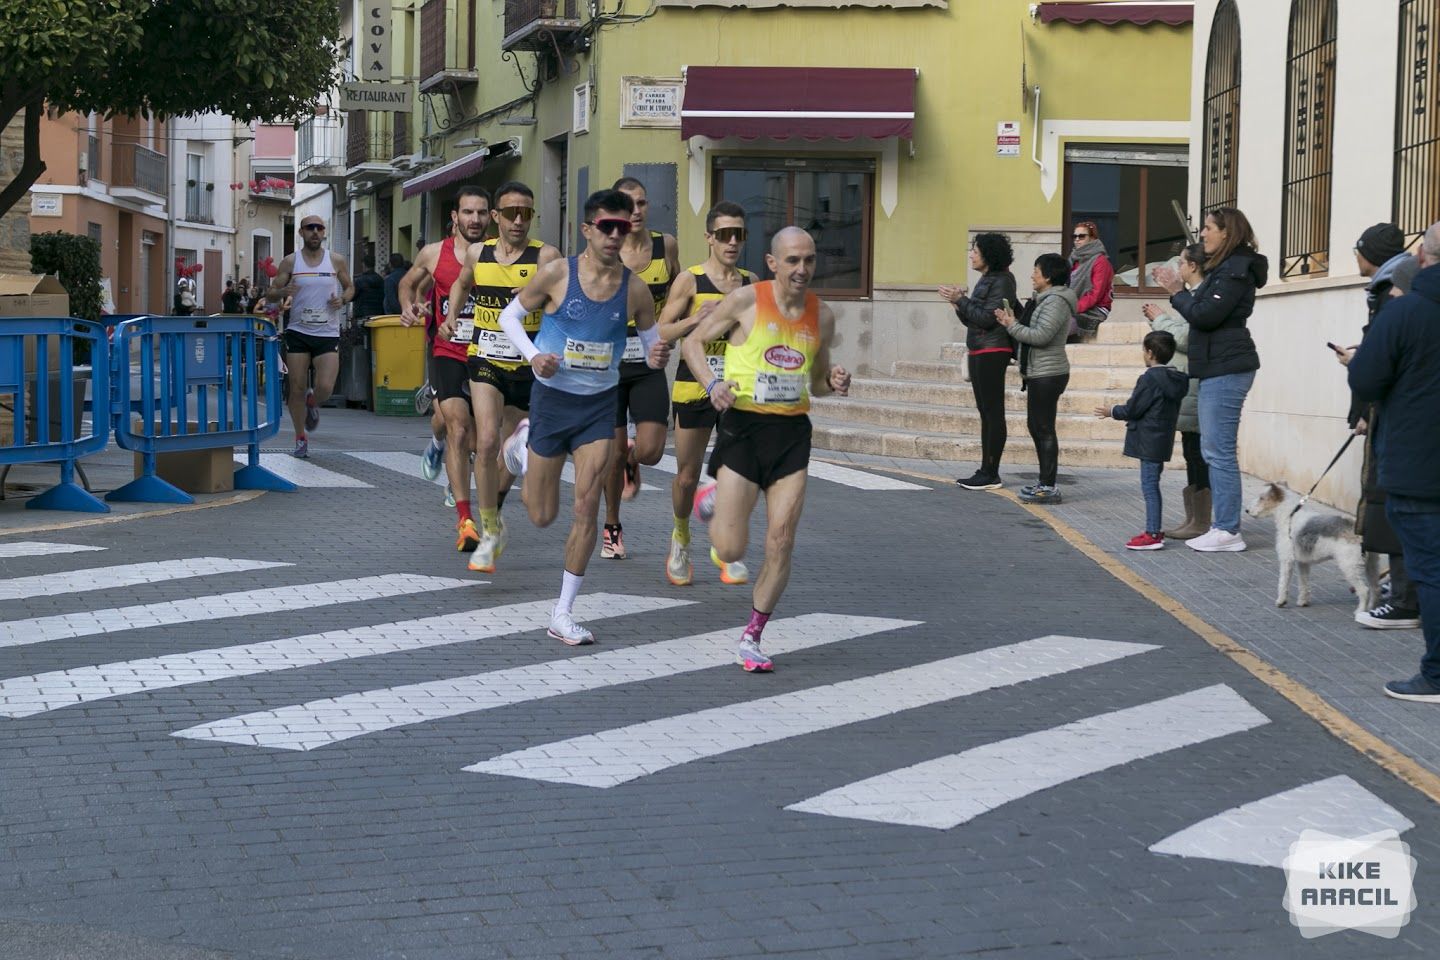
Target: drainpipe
x=1035 y=137
x=170 y=278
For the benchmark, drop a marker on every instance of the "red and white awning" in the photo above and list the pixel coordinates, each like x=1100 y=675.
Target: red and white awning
x=813 y=103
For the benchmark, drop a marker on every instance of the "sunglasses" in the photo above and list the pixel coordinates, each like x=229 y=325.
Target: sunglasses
x=313 y=226
x=729 y=234
x=1080 y=236
x=517 y=214
x=611 y=226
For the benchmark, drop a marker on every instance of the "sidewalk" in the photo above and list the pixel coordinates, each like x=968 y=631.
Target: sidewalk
x=1320 y=646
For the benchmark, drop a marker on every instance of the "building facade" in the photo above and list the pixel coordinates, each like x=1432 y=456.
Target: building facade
x=202 y=168
x=1317 y=118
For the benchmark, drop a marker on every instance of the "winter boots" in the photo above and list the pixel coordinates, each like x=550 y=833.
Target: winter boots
x=1197 y=515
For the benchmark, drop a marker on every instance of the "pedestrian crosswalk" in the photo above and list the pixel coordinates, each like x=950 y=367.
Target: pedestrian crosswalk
x=942 y=792
x=308 y=473
x=33 y=548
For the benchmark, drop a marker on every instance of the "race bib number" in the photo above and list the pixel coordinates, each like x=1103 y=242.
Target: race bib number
x=779 y=387
x=313 y=316
x=588 y=354
x=464 y=330
x=495 y=345
x=634 y=351
x=716 y=362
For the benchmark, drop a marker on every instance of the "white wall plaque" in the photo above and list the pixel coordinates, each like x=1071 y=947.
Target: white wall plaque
x=651 y=101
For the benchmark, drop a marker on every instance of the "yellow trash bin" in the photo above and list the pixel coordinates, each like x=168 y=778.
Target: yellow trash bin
x=397 y=364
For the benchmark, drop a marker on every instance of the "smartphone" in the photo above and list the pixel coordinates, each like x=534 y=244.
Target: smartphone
x=1339 y=350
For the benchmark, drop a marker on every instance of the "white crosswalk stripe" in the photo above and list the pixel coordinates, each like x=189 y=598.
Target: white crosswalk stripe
x=616 y=756
x=1260 y=833
x=300 y=596
x=309 y=725
x=35 y=548
x=408 y=464
x=124 y=575
x=303 y=473
x=26 y=696
x=821 y=470
x=952 y=790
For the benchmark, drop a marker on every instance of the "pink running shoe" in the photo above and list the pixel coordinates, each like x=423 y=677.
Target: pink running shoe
x=705 y=503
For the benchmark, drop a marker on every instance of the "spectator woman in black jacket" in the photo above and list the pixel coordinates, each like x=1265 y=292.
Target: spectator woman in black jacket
x=988 y=348
x=1222 y=357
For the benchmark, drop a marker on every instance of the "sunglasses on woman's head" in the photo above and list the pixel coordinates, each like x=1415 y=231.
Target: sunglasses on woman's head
x=611 y=225
x=517 y=214
x=728 y=234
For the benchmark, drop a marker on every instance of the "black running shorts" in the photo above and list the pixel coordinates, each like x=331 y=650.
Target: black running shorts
x=449 y=378
x=514 y=385
x=645 y=397
x=761 y=447
x=296 y=342
x=696 y=415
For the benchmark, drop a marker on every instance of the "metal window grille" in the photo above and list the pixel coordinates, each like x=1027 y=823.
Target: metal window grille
x=1222 y=109
x=1309 y=139
x=1417 y=120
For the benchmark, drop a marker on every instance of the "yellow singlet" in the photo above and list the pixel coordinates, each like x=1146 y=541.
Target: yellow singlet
x=771 y=369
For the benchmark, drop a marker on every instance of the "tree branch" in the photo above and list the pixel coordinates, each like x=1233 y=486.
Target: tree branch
x=32 y=166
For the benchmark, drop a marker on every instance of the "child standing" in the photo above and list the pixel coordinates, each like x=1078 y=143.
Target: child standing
x=1150 y=415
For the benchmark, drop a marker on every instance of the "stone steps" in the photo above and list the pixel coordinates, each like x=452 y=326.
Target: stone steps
x=959 y=395
x=848 y=437
x=960 y=421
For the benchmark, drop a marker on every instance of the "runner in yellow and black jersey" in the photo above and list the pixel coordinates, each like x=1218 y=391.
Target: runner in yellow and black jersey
x=655 y=259
x=500 y=378
x=692 y=296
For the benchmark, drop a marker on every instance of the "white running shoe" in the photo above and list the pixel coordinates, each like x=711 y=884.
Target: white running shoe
x=449 y=497
x=677 y=565
x=501 y=537
x=732 y=573
x=482 y=558
x=1217 y=540
x=432 y=460
x=564 y=628
x=514 y=449
x=749 y=657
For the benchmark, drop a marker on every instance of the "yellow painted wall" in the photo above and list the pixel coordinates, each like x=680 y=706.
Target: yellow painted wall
x=969 y=57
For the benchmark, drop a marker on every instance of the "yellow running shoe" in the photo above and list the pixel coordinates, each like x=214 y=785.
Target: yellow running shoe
x=731 y=573
x=468 y=537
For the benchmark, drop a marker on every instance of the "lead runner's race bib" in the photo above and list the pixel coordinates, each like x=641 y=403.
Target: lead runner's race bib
x=496 y=345
x=779 y=387
x=634 y=351
x=588 y=354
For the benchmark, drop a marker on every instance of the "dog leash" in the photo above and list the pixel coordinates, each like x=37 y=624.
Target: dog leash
x=1336 y=459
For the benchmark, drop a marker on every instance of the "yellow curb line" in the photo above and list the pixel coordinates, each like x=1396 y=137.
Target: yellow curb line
x=244 y=496
x=1311 y=703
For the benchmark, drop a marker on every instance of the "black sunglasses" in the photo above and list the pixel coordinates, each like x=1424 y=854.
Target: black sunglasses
x=313 y=226
x=610 y=226
x=727 y=234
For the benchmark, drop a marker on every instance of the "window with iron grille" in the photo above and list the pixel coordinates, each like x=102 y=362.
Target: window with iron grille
x=1222 y=109
x=1309 y=139
x=1417 y=120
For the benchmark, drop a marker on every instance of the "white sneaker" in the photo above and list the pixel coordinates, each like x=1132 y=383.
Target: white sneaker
x=564 y=628
x=514 y=449
x=750 y=658
x=677 y=565
x=501 y=537
x=1217 y=540
x=482 y=558
x=449 y=497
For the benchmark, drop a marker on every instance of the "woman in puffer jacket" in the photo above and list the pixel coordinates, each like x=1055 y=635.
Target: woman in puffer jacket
x=1197 y=474
x=1044 y=366
x=988 y=350
x=1222 y=357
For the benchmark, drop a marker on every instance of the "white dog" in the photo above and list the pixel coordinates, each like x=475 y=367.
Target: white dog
x=1304 y=537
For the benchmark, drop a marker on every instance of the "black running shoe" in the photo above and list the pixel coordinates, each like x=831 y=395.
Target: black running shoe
x=981 y=481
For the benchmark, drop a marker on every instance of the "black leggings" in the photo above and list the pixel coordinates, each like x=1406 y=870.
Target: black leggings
x=1197 y=471
x=987 y=379
x=1043 y=395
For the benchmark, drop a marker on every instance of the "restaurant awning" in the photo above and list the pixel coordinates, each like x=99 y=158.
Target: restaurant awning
x=1174 y=13
x=452 y=172
x=813 y=103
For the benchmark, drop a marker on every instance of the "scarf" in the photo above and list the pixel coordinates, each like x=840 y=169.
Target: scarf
x=1082 y=265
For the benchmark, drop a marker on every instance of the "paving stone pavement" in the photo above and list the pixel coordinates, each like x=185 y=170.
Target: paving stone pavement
x=383 y=845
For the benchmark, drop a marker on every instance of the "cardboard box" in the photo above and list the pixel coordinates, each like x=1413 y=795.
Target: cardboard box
x=34 y=295
x=195 y=471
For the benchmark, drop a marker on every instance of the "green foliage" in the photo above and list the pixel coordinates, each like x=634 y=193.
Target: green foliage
x=76 y=260
x=252 y=59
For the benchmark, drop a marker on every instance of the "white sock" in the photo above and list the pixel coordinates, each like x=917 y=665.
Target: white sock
x=569 y=589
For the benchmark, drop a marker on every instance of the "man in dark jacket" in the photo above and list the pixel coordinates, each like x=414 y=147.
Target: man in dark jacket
x=1380 y=255
x=369 y=291
x=1398 y=369
x=398 y=266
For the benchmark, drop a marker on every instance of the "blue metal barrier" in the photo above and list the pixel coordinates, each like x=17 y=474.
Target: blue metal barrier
x=198 y=390
x=27 y=380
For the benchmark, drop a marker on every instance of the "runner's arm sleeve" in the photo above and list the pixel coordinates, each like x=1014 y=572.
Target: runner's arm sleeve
x=649 y=337
x=512 y=321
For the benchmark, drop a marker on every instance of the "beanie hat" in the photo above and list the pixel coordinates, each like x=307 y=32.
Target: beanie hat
x=1381 y=243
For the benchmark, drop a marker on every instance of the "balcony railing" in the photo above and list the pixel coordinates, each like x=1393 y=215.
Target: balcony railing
x=447 y=46
x=369 y=137
x=319 y=146
x=199 y=202
x=140 y=167
x=270 y=186
x=533 y=24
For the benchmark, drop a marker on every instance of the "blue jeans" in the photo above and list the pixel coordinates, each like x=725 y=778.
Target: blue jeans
x=1221 y=399
x=1417 y=524
x=1150 y=486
